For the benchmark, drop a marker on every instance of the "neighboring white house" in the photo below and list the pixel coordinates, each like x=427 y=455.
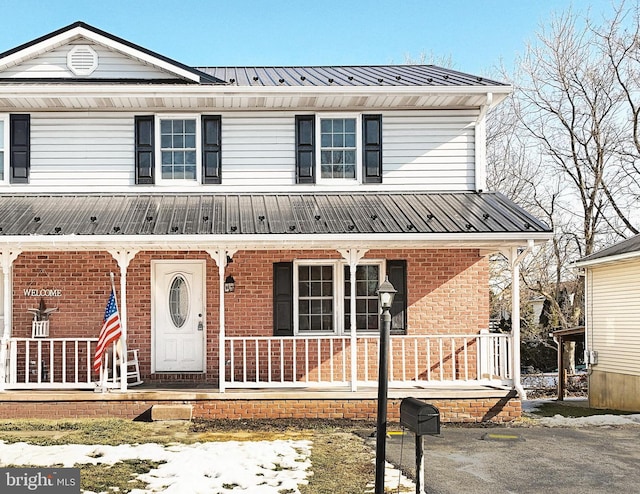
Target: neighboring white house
x=249 y=213
x=612 y=338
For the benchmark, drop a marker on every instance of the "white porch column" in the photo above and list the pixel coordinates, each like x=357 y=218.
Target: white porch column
x=123 y=258
x=515 y=259
x=8 y=256
x=353 y=256
x=220 y=258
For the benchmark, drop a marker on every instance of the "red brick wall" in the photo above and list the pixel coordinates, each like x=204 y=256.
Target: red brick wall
x=451 y=411
x=447 y=294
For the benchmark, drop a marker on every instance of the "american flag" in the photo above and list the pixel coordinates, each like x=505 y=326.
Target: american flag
x=110 y=332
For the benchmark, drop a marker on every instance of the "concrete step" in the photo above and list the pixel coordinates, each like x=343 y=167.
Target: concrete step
x=171 y=412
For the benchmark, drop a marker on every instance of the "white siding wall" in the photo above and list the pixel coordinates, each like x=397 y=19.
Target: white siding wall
x=81 y=151
x=111 y=65
x=436 y=149
x=613 y=316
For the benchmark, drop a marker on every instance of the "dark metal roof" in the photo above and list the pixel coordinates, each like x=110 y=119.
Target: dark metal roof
x=286 y=213
x=340 y=76
x=625 y=247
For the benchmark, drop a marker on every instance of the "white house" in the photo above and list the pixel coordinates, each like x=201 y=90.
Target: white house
x=612 y=330
x=304 y=186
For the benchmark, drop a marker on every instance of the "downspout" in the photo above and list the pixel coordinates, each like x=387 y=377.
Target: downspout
x=481 y=145
x=8 y=256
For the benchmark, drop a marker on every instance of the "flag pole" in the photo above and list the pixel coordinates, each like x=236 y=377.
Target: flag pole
x=122 y=341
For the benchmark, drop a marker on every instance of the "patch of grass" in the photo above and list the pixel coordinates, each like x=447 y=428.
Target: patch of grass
x=90 y=431
x=120 y=477
x=550 y=409
x=341 y=464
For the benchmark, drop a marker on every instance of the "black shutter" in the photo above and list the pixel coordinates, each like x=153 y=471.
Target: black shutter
x=397 y=273
x=305 y=149
x=283 y=299
x=144 y=149
x=211 y=139
x=372 y=149
x=19 y=148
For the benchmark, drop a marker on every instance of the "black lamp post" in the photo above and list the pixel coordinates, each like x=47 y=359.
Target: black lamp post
x=386 y=293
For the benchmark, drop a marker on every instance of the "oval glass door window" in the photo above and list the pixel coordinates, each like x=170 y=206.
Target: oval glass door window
x=179 y=301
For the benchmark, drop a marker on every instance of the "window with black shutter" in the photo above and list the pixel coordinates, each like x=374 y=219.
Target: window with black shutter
x=372 y=149
x=144 y=149
x=19 y=148
x=397 y=273
x=211 y=139
x=305 y=149
x=283 y=299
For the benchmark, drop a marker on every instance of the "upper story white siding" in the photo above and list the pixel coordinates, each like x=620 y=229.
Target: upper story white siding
x=613 y=316
x=94 y=151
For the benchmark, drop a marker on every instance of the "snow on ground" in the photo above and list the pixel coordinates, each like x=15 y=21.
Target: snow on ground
x=529 y=406
x=252 y=466
x=249 y=466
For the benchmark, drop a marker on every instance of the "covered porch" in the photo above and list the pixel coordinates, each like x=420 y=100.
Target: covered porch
x=442 y=346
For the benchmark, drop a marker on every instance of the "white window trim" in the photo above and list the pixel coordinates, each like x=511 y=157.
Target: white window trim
x=158 y=149
x=343 y=181
x=4 y=118
x=338 y=293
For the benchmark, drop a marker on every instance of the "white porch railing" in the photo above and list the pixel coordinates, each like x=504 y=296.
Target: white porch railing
x=276 y=362
x=325 y=361
x=55 y=363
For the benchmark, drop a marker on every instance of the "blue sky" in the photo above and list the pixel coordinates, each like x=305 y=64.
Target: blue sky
x=475 y=34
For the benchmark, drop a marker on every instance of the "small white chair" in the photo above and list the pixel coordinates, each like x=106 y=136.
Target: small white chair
x=133 y=368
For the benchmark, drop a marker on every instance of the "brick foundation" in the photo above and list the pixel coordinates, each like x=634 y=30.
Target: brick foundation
x=468 y=410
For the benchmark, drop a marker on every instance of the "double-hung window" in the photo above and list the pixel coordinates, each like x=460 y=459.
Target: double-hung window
x=178 y=138
x=338 y=148
x=322 y=296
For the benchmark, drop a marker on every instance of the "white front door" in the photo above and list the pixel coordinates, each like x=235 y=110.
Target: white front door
x=178 y=315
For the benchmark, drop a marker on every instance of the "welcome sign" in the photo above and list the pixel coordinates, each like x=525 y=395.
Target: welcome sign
x=43 y=292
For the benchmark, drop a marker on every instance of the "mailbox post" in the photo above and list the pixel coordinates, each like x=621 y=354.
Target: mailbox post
x=422 y=419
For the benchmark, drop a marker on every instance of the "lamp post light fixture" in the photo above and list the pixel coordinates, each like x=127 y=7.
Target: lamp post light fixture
x=386 y=292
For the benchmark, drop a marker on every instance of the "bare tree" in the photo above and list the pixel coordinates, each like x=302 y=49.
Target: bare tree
x=567 y=144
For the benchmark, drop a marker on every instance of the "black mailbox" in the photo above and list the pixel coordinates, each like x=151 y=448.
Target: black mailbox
x=419 y=417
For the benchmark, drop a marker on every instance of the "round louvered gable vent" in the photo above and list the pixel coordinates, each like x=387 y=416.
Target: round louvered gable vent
x=82 y=60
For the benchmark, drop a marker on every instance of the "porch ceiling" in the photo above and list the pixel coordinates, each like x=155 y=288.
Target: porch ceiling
x=320 y=220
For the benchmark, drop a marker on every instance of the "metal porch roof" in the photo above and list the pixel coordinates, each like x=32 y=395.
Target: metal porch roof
x=264 y=214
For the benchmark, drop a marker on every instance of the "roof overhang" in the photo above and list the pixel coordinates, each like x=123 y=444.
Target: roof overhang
x=486 y=243
x=627 y=256
x=106 y=96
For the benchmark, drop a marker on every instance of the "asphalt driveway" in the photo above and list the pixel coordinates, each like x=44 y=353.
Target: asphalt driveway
x=522 y=460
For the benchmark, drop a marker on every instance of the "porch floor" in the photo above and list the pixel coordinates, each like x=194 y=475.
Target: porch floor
x=175 y=392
